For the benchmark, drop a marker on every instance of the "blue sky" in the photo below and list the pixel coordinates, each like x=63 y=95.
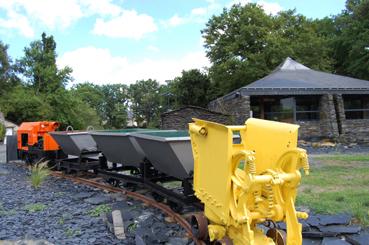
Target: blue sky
x=121 y=41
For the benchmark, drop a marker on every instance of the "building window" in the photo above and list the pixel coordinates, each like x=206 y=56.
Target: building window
x=307 y=108
x=356 y=106
x=280 y=109
x=286 y=109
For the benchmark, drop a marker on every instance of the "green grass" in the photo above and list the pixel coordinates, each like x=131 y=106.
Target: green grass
x=100 y=209
x=132 y=227
x=358 y=158
x=6 y=212
x=338 y=184
x=39 y=173
x=71 y=233
x=35 y=207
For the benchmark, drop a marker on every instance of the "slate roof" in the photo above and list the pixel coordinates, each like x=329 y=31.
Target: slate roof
x=291 y=77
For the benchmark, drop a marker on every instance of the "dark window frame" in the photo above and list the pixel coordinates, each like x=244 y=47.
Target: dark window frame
x=356 y=107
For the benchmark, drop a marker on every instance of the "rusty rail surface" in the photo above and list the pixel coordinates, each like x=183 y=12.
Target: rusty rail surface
x=164 y=208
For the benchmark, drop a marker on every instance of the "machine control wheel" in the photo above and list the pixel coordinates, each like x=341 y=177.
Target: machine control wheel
x=199 y=225
x=278 y=236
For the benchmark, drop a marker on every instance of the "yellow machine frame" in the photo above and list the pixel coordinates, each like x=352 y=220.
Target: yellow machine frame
x=248 y=182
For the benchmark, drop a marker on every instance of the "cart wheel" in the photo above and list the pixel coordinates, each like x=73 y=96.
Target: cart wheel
x=278 y=236
x=176 y=207
x=199 y=226
x=114 y=182
x=157 y=197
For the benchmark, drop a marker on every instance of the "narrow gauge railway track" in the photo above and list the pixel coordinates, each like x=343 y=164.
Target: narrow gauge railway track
x=164 y=208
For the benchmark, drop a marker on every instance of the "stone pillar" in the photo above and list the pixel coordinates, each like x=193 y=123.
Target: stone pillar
x=328 y=119
x=340 y=112
x=238 y=107
x=366 y=106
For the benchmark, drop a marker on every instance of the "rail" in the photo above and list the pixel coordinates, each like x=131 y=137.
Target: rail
x=164 y=208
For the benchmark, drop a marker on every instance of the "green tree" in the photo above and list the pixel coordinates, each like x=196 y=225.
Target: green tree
x=38 y=66
x=22 y=104
x=114 y=106
x=4 y=67
x=42 y=95
x=71 y=110
x=145 y=102
x=7 y=75
x=92 y=95
x=191 y=88
x=245 y=44
x=351 y=45
x=168 y=98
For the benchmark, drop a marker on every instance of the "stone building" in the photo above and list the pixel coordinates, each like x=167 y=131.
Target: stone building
x=179 y=119
x=324 y=105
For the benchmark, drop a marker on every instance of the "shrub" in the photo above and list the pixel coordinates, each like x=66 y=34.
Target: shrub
x=39 y=172
x=103 y=208
x=2 y=131
x=35 y=207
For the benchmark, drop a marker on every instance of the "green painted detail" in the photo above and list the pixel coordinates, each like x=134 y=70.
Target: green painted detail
x=127 y=130
x=168 y=134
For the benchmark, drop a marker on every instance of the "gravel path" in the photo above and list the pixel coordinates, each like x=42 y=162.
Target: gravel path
x=61 y=212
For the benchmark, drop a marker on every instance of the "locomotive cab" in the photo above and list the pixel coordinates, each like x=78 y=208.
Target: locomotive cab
x=35 y=142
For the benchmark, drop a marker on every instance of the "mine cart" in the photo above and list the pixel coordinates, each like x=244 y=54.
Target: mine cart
x=81 y=149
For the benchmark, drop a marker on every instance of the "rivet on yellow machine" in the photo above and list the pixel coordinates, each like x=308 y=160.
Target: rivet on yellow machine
x=247 y=175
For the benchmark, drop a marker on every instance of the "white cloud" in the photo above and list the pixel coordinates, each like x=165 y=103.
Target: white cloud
x=270 y=8
x=129 y=24
x=52 y=13
x=117 y=21
x=18 y=22
x=98 y=65
x=153 y=48
x=175 y=20
x=241 y=2
x=197 y=15
x=199 y=11
x=101 y=7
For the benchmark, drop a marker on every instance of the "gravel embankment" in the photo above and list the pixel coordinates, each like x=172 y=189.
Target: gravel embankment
x=61 y=212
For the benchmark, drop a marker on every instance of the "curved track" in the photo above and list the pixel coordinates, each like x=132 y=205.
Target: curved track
x=164 y=208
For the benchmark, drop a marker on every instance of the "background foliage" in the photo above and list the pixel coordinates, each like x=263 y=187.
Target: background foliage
x=243 y=44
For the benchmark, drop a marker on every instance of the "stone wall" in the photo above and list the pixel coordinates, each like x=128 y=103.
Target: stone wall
x=309 y=130
x=332 y=124
x=328 y=119
x=179 y=119
x=340 y=113
x=357 y=131
x=238 y=107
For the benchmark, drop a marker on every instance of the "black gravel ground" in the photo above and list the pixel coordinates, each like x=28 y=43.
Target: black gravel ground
x=62 y=212
x=65 y=214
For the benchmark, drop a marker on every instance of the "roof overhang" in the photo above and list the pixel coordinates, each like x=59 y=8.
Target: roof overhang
x=302 y=91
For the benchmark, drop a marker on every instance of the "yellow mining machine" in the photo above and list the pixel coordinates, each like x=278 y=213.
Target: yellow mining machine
x=246 y=176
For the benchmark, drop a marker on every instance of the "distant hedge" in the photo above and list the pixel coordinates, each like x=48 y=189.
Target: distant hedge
x=2 y=131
